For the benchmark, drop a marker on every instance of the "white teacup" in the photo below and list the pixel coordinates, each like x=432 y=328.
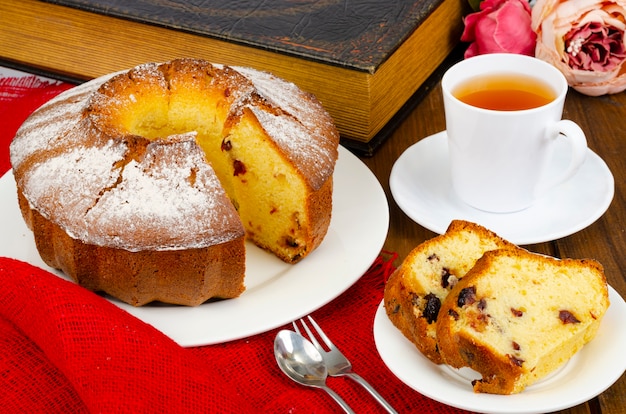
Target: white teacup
x=499 y=157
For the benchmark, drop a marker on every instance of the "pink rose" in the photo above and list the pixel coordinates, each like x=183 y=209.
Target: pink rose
x=584 y=39
x=501 y=26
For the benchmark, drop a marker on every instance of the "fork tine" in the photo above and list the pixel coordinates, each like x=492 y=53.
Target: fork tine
x=295 y=327
x=312 y=337
x=321 y=333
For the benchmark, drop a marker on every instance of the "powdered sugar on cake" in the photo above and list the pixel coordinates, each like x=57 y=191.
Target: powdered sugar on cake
x=172 y=187
x=293 y=132
x=117 y=206
x=137 y=199
x=294 y=138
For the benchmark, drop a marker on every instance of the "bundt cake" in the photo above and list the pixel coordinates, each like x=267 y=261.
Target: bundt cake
x=414 y=292
x=517 y=316
x=144 y=184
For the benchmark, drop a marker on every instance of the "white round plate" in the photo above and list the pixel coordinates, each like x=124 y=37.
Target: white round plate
x=420 y=184
x=276 y=292
x=588 y=373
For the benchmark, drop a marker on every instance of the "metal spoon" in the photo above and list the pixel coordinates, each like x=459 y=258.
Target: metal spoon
x=302 y=362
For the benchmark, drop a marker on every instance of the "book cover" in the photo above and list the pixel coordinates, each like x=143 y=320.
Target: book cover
x=358 y=35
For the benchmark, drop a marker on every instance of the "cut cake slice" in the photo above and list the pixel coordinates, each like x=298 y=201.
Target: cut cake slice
x=517 y=316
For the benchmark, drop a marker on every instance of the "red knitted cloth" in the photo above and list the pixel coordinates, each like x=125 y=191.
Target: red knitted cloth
x=64 y=349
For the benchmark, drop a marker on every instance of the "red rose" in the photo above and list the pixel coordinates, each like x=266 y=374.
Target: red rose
x=501 y=26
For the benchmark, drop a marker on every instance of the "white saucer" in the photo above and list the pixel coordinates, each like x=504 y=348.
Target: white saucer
x=420 y=184
x=588 y=373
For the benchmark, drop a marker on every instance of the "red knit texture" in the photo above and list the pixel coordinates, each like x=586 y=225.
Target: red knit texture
x=64 y=349
x=19 y=97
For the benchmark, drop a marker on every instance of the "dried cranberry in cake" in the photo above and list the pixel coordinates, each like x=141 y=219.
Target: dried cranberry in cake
x=431 y=310
x=226 y=145
x=291 y=242
x=448 y=280
x=239 y=168
x=467 y=296
x=567 y=317
x=454 y=314
x=476 y=316
x=395 y=308
x=515 y=360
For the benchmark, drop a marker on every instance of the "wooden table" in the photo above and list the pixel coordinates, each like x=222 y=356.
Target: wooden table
x=604 y=121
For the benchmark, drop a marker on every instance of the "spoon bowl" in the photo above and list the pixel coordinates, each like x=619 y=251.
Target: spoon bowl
x=301 y=361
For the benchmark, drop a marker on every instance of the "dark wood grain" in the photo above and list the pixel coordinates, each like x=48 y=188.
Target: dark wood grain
x=604 y=121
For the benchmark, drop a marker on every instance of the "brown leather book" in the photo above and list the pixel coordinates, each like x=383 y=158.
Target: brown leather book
x=363 y=59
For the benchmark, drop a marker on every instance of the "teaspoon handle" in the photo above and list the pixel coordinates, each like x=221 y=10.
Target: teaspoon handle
x=339 y=400
x=371 y=390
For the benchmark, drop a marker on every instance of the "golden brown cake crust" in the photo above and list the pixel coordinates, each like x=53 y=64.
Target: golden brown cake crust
x=183 y=277
x=415 y=291
x=116 y=167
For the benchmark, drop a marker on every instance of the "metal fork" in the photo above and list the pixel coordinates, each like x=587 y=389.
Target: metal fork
x=336 y=363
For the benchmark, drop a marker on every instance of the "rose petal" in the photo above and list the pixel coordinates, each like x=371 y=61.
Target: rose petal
x=469 y=33
x=471 y=51
x=486 y=7
x=502 y=26
x=513 y=32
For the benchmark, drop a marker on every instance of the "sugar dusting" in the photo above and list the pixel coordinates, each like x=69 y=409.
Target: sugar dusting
x=301 y=129
x=51 y=123
x=171 y=188
x=301 y=149
x=88 y=190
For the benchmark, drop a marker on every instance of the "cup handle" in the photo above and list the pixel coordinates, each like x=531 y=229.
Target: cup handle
x=578 y=143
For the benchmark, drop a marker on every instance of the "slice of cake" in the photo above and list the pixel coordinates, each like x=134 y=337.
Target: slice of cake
x=415 y=291
x=517 y=316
